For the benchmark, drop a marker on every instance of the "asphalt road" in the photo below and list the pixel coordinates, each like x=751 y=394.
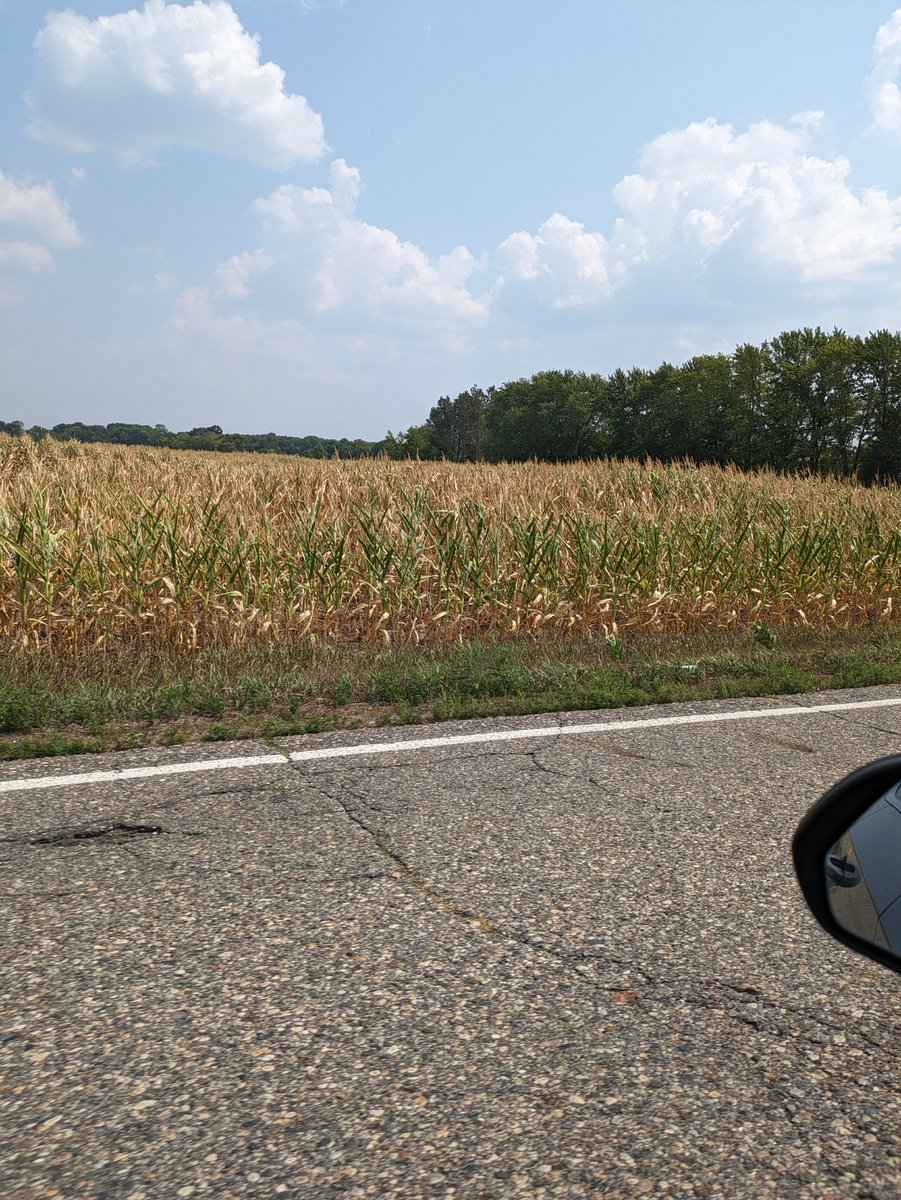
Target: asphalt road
x=560 y=966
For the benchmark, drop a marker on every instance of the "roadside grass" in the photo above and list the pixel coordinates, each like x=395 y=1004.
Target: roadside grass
x=55 y=707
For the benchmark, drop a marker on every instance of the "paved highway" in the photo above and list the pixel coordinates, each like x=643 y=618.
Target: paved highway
x=571 y=964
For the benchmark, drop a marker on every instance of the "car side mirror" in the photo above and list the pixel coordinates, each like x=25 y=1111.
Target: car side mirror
x=847 y=854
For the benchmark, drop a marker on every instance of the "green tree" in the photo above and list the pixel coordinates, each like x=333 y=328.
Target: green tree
x=459 y=425
x=622 y=423
x=555 y=415
x=844 y=426
x=795 y=417
x=709 y=408
x=878 y=382
x=752 y=382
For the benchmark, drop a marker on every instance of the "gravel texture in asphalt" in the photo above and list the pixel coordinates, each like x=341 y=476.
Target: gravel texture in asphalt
x=561 y=967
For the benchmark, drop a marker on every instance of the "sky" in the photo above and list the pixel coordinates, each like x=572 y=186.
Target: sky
x=319 y=216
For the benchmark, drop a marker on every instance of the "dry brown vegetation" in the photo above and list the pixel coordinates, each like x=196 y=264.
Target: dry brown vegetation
x=106 y=547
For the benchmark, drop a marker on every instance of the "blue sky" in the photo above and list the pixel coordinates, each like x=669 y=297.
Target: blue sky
x=320 y=217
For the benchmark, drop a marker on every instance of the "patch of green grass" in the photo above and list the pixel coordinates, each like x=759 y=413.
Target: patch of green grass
x=221 y=733
x=167 y=700
x=343 y=690
x=464 y=673
x=52 y=746
x=855 y=669
x=21 y=707
x=48 y=709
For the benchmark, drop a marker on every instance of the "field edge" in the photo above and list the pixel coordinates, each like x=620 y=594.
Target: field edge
x=264 y=692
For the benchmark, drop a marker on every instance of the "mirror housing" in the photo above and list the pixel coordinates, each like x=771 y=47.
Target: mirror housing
x=827 y=865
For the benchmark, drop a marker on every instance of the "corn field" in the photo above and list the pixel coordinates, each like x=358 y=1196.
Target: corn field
x=107 y=549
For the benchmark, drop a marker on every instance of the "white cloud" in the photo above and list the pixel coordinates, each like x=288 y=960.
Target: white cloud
x=37 y=209
x=714 y=219
x=340 y=262
x=341 y=303
x=763 y=196
x=882 y=87
x=232 y=278
x=309 y=6
x=723 y=235
x=715 y=213
x=167 y=75
x=810 y=118
x=570 y=266
x=26 y=255
x=31 y=215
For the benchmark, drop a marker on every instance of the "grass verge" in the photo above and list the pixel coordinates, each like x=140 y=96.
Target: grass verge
x=264 y=692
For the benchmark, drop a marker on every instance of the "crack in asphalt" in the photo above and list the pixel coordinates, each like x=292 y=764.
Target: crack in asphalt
x=834 y=1093
x=271 y=744
x=781 y=1007
x=813 y=1018
x=597 y=783
x=581 y=963
x=405 y=872
x=544 y=769
x=116 y=833
x=582 y=777
x=494 y=752
x=627 y=752
x=585 y=965
x=851 y=719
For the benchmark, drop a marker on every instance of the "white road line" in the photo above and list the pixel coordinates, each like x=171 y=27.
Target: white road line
x=189 y=768
x=512 y=735
x=465 y=739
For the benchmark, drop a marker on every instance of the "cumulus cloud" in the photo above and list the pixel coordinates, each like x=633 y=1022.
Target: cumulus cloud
x=309 y=6
x=27 y=255
x=570 y=266
x=31 y=216
x=232 y=278
x=882 y=86
x=780 y=207
x=714 y=221
x=711 y=207
x=351 y=265
x=335 y=296
x=37 y=209
x=165 y=76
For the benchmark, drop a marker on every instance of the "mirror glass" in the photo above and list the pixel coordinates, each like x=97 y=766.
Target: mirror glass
x=863 y=874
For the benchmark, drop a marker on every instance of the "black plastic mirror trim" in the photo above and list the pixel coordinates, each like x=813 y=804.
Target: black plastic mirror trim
x=830 y=817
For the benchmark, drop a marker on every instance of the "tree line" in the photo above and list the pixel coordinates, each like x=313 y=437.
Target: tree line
x=205 y=437
x=808 y=400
